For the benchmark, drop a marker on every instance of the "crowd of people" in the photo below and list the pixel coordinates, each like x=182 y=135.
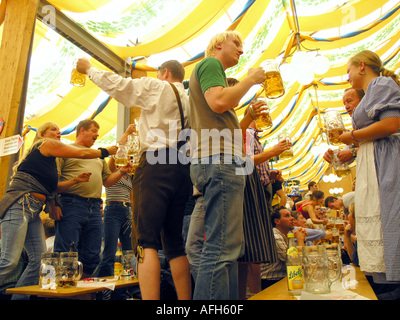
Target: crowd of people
x=239 y=216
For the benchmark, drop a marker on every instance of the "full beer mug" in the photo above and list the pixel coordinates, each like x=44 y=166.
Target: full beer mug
x=121 y=156
x=316 y=269
x=334 y=127
x=70 y=269
x=273 y=85
x=341 y=169
x=264 y=120
x=49 y=270
x=77 y=79
x=288 y=153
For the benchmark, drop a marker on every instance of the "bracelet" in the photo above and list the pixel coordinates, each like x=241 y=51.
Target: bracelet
x=104 y=153
x=352 y=136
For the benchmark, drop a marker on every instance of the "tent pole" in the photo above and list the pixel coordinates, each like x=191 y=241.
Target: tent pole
x=14 y=55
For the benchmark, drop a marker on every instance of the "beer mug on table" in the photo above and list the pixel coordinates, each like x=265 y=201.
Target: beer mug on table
x=288 y=153
x=77 y=79
x=334 y=127
x=49 y=270
x=127 y=256
x=316 y=269
x=263 y=120
x=70 y=269
x=273 y=85
x=335 y=264
x=121 y=156
x=341 y=169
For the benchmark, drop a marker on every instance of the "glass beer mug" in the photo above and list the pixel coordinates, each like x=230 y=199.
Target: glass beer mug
x=77 y=79
x=341 y=169
x=273 y=85
x=288 y=153
x=49 y=270
x=121 y=156
x=263 y=121
x=133 y=145
x=316 y=269
x=334 y=127
x=335 y=264
x=70 y=269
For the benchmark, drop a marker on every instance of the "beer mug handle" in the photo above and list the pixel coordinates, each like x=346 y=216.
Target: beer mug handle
x=79 y=272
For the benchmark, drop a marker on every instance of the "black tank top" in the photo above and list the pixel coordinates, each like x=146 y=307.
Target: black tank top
x=43 y=169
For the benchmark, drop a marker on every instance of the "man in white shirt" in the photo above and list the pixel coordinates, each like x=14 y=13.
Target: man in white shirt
x=161 y=184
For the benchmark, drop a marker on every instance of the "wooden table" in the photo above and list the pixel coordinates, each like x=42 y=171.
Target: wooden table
x=279 y=290
x=81 y=293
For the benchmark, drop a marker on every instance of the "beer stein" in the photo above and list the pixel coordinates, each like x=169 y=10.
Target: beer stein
x=133 y=145
x=127 y=263
x=121 y=156
x=334 y=127
x=288 y=153
x=77 y=79
x=263 y=120
x=341 y=169
x=273 y=85
x=335 y=265
x=70 y=269
x=316 y=269
x=49 y=270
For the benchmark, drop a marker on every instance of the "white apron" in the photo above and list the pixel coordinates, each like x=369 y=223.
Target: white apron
x=368 y=212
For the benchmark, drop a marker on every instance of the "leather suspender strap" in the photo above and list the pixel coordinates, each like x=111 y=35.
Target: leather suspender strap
x=179 y=104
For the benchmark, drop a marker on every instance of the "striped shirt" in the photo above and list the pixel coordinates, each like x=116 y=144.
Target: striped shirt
x=121 y=191
x=253 y=146
x=276 y=270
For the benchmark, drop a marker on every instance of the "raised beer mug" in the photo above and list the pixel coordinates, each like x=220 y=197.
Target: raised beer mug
x=341 y=169
x=133 y=145
x=334 y=127
x=273 y=85
x=49 y=270
x=263 y=120
x=121 y=156
x=77 y=79
x=288 y=153
x=70 y=269
x=316 y=269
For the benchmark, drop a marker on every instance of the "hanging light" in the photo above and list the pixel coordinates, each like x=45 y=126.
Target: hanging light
x=320 y=64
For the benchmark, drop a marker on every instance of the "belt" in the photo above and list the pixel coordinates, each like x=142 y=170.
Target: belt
x=38 y=196
x=71 y=195
x=118 y=203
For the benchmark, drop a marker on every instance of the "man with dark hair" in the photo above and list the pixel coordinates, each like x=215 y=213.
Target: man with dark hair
x=283 y=223
x=312 y=186
x=81 y=221
x=161 y=184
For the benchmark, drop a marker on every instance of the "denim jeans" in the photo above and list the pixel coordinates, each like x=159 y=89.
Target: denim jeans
x=195 y=238
x=117 y=225
x=81 y=223
x=223 y=192
x=22 y=227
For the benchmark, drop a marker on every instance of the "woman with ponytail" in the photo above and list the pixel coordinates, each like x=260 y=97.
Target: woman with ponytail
x=376 y=123
x=34 y=185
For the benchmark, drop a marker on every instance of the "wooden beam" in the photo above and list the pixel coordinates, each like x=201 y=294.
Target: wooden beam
x=14 y=54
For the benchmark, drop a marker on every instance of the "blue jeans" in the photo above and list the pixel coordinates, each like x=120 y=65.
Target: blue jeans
x=195 y=239
x=223 y=192
x=117 y=225
x=82 y=224
x=22 y=227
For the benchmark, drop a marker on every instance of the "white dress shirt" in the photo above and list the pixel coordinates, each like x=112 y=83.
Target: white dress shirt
x=159 y=123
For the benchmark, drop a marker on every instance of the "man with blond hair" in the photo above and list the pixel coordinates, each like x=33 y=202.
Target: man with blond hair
x=214 y=165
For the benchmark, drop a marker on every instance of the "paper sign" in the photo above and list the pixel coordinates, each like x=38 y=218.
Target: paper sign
x=10 y=145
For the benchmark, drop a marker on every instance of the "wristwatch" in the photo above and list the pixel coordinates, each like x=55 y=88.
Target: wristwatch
x=353 y=152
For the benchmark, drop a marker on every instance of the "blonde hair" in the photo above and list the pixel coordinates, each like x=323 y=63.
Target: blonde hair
x=221 y=38
x=372 y=60
x=37 y=141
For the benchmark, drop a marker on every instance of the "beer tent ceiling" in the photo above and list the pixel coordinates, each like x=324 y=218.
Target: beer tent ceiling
x=180 y=29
